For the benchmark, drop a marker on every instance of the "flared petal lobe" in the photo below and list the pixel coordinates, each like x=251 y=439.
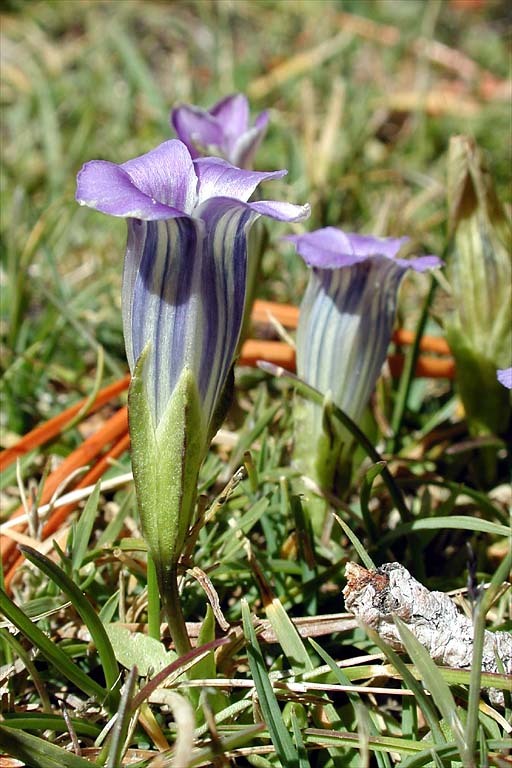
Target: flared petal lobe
x=108 y=188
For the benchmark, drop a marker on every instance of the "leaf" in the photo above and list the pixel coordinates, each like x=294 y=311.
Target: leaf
x=36 y=752
x=271 y=711
x=434 y=682
x=457 y=522
x=121 y=725
x=358 y=546
x=83 y=529
x=86 y=613
x=364 y=496
x=134 y=649
x=50 y=650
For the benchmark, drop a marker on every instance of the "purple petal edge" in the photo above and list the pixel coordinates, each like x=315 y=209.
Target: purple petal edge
x=504 y=376
x=331 y=248
x=107 y=188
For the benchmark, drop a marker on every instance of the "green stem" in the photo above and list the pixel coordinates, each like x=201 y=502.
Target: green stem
x=153 y=600
x=408 y=372
x=310 y=393
x=173 y=611
x=469 y=757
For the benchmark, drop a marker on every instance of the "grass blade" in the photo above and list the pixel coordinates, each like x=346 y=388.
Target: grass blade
x=271 y=711
x=49 y=650
x=120 y=729
x=309 y=393
x=83 y=529
x=87 y=614
x=434 y=681
x=36 y=752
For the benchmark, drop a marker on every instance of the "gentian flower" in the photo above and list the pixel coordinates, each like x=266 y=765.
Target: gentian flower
x=348 y=311
x=222 y=130
x=504 y=376
x=183 y=299
x=345 y=325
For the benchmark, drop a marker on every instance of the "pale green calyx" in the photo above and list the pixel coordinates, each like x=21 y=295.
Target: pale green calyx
x=166 y=458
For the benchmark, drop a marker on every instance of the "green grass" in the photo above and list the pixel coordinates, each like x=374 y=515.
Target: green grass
x=96 y=79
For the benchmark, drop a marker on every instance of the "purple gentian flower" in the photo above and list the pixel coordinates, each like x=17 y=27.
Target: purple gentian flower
x=222 y=130
x=347 y=313
x=504 y=376
x=185 y=266
x=183 y=296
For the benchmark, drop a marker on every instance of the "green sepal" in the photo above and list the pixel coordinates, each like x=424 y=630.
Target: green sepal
x=166 y=458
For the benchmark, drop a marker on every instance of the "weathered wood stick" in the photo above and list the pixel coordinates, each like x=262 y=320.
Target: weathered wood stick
x=375 y=597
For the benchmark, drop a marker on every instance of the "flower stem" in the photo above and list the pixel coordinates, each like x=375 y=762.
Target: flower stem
x=153 y=600
x=173 y=611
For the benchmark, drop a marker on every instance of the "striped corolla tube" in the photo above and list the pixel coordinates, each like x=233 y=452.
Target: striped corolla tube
x=183 y=297
x=222 y=130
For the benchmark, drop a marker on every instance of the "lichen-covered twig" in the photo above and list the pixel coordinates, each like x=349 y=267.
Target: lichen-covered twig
x=375 y=597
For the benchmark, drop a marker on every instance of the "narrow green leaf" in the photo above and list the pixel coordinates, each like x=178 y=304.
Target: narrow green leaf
x=83 y=529
x=310 y=393
x=299 y=742
x=87 y=614
x=49 y=650
x=434 y=681
x=424 y=702
x=456 y=522
x=120 y=729
x=288 y=637
x=364 y=496
x=36 y=752
x=358 y=546
x=20 y=651
x=272 y=714
x=36 y=721
x=447 y=751
x=109 y=608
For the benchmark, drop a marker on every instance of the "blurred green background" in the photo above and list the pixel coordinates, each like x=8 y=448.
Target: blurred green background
x=363 y=96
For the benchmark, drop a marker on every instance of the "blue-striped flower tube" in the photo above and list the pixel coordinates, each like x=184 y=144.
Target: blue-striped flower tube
x=183 y=300
x=345 y=325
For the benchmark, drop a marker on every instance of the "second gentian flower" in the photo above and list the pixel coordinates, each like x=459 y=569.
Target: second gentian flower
x=345 y=325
